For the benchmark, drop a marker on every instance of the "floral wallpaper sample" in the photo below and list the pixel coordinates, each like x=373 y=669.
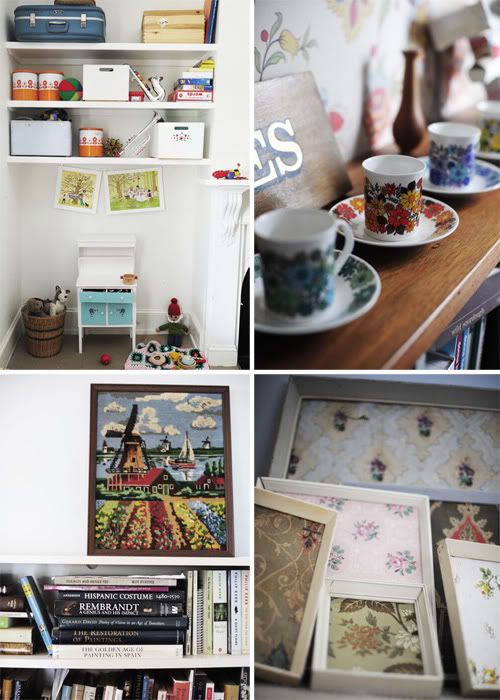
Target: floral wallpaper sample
x=372 y=541
x=373 y=635
x=286 y=552
x=374 y=443
x=477 y=585
x=458 y=521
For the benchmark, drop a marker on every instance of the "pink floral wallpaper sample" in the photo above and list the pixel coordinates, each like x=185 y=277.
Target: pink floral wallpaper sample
x=375 y=541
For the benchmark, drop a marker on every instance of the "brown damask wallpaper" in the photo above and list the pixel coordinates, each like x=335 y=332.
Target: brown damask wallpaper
x=286 y=552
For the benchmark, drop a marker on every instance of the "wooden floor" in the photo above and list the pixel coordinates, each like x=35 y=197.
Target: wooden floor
x=422 y=290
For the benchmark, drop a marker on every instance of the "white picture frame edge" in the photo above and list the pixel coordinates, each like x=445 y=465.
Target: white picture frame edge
x=157 y=169
x=283 y=504
x=429 y=684
x=465 y=550
x=418 y=501
x=62 y=207
x=305 y=387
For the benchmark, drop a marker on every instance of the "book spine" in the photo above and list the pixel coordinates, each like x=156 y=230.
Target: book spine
x=220 y=612
x=5 y=623
x=17 y=690
x=189 y=611
x=12 y=602
x=211 y=22
x=68 y=608
x=193 y=88
x=89 y=692
x=186 y=96
x=458 y=351
x=124 y=623
x=235 y=611
x=122 y=589
x=137 y=688
x=208 y=606
x=180 y=690
x=196 y=74
x=207 y=82
x=194 y=620
x=17 y=634
x=175 y=596
x=219 y=695
x=465 y=349
x=117 y=580
x=16 y=648
x=65 y=692
x=209 y=690
x=200 y=620
x=244 y=693
x=118 y=637
x=245 y=612
x=200 y=683
x=145 y=688
x=105 y=651
x=38 y=609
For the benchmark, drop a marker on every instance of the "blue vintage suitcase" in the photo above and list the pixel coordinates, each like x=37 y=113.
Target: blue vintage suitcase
x=80 y=23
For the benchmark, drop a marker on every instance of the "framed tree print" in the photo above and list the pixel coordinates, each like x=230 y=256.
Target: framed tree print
x=160 y=471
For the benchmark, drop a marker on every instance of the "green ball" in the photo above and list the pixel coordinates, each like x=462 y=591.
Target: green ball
x=70 y=89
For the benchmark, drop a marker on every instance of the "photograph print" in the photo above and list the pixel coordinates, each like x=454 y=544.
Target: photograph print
x=160 y=471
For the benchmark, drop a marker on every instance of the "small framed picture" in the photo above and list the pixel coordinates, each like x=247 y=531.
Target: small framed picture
x=160 y=471
x=471 y=581
x=376 y=638
x=292 y=543
x=134 y=191
x=77 y=190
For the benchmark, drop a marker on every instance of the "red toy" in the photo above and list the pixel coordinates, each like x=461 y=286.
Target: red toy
x=228 y=174
x=105 y=358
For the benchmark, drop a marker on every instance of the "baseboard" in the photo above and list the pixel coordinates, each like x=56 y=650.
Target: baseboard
x=222 y=356
x=9 y=341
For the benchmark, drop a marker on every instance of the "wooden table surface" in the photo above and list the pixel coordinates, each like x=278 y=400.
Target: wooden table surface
x=423 y=288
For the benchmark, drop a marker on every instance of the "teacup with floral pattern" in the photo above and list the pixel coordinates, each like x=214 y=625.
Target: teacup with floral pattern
x=490 y=126
x=393 y=196
x=299 y=262
x=452 y=158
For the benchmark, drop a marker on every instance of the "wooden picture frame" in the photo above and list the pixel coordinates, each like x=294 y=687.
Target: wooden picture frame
x=475 y=680
x=428 y=684
x=303 y=388
x=298 y=161
x=298 y=512
x=340 y=494
x=141 y=463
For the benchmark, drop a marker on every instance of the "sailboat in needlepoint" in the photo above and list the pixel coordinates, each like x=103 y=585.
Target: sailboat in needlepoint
x=160 y=475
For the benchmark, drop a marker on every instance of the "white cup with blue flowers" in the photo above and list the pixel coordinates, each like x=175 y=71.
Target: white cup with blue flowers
x=452 y=159
x=300 y=262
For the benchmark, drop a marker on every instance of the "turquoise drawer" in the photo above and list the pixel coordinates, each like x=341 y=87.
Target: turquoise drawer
x=93 y=314
x=108 y=297
x=119 y=314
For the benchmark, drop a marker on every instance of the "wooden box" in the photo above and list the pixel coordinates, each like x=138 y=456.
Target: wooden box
x=173 y=27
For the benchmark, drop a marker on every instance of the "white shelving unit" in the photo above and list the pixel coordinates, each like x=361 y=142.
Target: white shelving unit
x=133 y=106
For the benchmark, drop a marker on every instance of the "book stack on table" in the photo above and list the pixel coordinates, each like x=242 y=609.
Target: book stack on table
x=196 y=84
x=103 y=617
x=16 y=628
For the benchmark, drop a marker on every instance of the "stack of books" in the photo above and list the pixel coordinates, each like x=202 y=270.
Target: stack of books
x=218 y=609
x=196 y=84
x=102 y=617
x=16 y=628
x=157 y=685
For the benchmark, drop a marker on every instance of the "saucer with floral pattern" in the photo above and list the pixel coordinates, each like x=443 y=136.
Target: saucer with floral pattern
x=437 y=220
x=485 y=179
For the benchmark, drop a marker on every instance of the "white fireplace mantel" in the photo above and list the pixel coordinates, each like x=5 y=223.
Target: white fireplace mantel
x=222 y=263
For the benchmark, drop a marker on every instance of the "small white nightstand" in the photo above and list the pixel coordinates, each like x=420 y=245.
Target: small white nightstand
x=104 y=301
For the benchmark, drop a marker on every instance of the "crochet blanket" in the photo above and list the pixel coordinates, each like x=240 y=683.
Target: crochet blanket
x=154 y=355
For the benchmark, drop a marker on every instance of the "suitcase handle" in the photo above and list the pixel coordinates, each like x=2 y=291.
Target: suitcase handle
x=57 y=27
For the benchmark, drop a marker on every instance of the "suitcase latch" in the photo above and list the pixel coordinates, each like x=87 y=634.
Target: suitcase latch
x=32 y=19
x=83 y=20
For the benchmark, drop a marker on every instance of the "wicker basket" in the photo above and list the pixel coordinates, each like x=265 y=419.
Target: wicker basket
x=44 y=334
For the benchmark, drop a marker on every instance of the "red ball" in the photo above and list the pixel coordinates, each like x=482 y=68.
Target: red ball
x=105 y=359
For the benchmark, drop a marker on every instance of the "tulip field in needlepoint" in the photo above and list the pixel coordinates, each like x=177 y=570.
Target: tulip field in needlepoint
x=160 y=472
x=372 y=541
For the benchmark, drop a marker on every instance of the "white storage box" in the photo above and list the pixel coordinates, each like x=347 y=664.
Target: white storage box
x=106 y=83
x=178 y=140
x=40 y=138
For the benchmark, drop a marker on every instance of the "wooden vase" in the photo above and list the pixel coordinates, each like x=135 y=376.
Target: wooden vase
x=409 y=126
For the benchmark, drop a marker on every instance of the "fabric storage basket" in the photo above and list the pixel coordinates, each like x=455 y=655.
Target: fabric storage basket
x=39 y=138
x=173 y=27
x=79 y=23
x=43 y=335
x=178 y=140
x=106 y=83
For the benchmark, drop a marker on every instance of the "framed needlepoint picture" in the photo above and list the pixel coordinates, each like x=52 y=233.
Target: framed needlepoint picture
x=160 y=471
x=297 y=160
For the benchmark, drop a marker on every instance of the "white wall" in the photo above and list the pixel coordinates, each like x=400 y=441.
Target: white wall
x=44 y=468
x=270 y=391
x=166 y=242
x=10 y=249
